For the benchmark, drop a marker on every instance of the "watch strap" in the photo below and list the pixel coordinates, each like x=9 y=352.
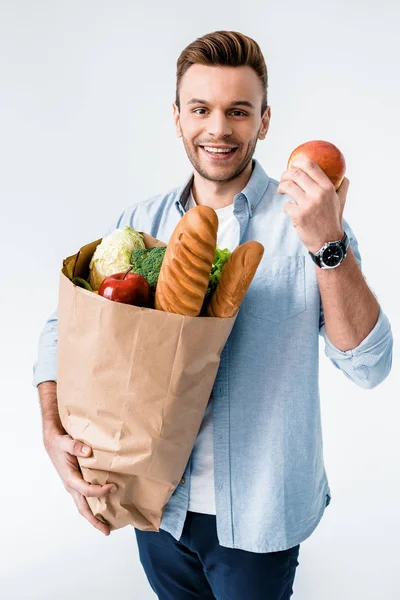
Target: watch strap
x=344 y=242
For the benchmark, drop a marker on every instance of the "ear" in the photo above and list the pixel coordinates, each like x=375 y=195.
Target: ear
x=265 y=119
x=177 y=120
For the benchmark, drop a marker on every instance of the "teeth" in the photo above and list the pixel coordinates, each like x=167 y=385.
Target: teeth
x=217 y=150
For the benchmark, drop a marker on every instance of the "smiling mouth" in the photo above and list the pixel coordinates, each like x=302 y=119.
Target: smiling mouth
x=218 y=153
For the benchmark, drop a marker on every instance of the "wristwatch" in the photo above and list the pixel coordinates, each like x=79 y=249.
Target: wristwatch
x=332 y=253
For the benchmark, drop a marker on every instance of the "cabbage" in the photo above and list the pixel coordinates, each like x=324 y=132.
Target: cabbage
x=113 y=254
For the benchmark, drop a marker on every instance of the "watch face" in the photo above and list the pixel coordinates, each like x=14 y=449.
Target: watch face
x=332 y=255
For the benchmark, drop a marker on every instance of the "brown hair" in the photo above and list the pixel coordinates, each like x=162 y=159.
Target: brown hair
x=227 y=49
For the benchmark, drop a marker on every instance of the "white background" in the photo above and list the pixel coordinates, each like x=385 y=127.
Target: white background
x=86 y=128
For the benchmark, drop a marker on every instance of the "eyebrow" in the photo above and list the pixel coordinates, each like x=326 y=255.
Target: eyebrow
x=234 y=103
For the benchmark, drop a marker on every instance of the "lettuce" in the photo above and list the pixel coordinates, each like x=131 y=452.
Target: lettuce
x=220 y=258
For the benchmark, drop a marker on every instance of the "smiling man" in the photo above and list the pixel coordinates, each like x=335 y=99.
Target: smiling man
x=220 y=127
x=255 y=485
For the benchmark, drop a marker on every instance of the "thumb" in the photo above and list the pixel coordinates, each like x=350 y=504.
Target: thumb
x=342 y=191
x=74 y=447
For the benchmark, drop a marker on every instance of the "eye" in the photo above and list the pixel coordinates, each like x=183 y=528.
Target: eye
x=239 y=111
x=195 y=111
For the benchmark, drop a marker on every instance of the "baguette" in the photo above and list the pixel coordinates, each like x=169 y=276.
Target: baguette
x=235 y=279
x=185 y=270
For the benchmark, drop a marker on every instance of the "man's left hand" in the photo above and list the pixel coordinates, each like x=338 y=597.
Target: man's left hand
x=318 y=209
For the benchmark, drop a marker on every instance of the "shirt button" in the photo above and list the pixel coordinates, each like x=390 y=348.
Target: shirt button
x=252 y=207
x=183 y=480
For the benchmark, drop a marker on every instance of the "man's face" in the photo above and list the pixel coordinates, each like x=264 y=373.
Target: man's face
x=220 y=107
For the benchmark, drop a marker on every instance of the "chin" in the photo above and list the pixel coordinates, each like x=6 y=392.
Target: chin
x=217 y=173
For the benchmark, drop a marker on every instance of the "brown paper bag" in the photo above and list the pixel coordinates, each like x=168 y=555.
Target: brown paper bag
x=133 y=383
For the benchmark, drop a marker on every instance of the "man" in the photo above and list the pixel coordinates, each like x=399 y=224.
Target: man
x=255 y=485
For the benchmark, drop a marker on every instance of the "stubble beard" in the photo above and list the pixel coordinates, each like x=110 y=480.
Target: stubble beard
x=237 y=170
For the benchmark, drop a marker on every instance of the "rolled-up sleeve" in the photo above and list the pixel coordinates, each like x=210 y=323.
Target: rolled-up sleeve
x=370 y=362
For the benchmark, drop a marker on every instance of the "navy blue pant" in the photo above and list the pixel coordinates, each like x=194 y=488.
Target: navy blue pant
x=198 y=567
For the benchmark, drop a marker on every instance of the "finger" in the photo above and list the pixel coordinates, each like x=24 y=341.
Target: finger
x=291 y=189
x=74 y=447
x=313 y=170
x=84 y=510
x=89 y=490
x=303 y=180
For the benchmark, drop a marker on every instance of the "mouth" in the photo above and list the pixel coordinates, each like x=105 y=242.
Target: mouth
x=218 y=154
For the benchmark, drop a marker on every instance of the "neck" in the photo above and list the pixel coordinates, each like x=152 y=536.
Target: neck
x=218 y=194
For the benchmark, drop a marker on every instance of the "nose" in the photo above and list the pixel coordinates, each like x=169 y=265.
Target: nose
x=218 y=125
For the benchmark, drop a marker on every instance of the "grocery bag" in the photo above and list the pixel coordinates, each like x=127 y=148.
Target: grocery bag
x=133 y=383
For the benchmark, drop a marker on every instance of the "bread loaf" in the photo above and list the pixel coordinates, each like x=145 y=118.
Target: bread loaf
x=235 y=279
x=185 y=270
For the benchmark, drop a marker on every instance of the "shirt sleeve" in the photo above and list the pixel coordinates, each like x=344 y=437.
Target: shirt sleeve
x=370 y=362
x=45 y=366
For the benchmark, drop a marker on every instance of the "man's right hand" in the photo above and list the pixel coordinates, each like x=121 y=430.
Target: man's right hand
x=63 y=451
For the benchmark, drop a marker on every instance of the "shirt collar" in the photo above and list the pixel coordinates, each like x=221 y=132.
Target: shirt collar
x=253 y=192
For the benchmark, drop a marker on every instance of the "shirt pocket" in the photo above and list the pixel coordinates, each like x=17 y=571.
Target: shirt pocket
x=278 y=290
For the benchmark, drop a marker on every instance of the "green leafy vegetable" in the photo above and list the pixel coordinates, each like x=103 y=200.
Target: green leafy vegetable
x=147 y=262
x=220 y=258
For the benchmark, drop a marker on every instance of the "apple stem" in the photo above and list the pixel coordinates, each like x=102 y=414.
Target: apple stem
x=125 y=274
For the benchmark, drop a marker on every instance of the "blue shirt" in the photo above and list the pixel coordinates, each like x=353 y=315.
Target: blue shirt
x=271 y=488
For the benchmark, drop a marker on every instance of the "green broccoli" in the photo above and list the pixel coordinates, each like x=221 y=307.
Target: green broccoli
x=147 y=262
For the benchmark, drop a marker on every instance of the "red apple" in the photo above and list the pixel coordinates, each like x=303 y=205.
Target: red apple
x=129 y=288
x=326 y=155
